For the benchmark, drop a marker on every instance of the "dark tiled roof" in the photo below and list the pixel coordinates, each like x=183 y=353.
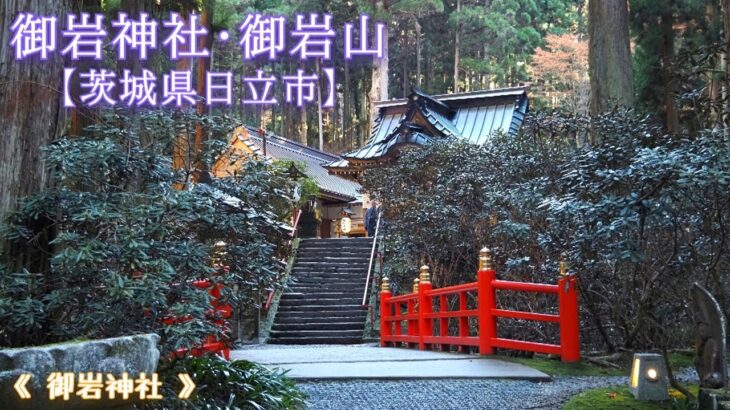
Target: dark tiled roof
x=282 y=148
x=473 y=116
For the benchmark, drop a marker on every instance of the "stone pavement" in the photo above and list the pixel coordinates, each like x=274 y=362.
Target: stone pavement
x=443 y=391
x=348 y=362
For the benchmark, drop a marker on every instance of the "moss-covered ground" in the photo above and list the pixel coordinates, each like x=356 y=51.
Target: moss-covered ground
x=615 y=397
x=619 y=398
x=555 y=367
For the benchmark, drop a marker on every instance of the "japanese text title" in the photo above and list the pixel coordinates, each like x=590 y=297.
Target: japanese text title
x=260 y=36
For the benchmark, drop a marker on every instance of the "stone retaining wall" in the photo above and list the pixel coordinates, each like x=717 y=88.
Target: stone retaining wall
x=131 y=354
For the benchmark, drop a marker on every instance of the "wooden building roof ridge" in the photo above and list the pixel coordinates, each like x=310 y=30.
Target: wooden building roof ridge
x=290 y=145
x=488 y=93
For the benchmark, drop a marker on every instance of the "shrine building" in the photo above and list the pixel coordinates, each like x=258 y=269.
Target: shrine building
x=421 y=118
x=335 y=193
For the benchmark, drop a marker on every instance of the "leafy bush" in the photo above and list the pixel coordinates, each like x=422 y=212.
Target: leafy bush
x=228 y=385
x=640 y=214
x=123 y=244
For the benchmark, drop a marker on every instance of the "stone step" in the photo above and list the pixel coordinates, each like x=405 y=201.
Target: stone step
x=324 y=279
x=315 y=340
x=306 y=288
x=327 y=268
x=364 y=256
x=353 y=269
x=356 y=249
x=330 y=259
x=329 y=265
x=308 y=317
x=321 y=294
x=312 y=265
x=330 y=277
x=285 y=327
x=317 y=333
x=316 y=281
x=337 y=245
x=319 y=302
x=323 y=311
x=330 y=270
x=322 y=303
x=336 y=240
x=303 y=285
x=354 y=281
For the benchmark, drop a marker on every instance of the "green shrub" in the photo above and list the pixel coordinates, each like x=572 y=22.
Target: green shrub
x=122 y=244
x=221 y=384
x=641 y=215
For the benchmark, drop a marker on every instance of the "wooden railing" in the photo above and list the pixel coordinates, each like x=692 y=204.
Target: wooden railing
x=416 y=311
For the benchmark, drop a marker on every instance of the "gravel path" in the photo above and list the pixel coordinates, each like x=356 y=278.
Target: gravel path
x=445 y=394
x=456 y=394
x=459 y=394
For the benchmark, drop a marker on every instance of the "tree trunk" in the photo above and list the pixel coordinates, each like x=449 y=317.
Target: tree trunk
x=347 y=107
x=181 y=148
x=82 y=115
x=726 y=21
x=405 y=78
x=319 y=108
x=715 y=82
x=379 y=84
x=609 y=55
x=418 y=52
x=365 y=111
x=302 y=126
x=31 y=113
x=670 y=83
x=203 y=66
x=457 y=45
x=31 y=116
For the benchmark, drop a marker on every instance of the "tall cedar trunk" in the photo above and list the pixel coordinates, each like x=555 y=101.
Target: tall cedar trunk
x=82 y=115
x=31 y=112
x=181 y=148
x=31 y=116
x=714 y=89
x=670 y=83
x=363 y=131
x=418 y=52
x=457 y=51
x=347 y=107
x=405 y=78
x=431 y=73
x=726 y=22
x=320 y=131
x=379 y=84
x=302 y=128
x=609 y=55
x=203 y=65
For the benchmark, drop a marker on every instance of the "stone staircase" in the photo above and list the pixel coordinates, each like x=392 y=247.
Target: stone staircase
x=323 y=304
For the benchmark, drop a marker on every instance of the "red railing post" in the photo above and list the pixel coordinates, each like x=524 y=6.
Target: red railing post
x=569 y=319
x=443 y=322
x=411 y=323
x=425 y=307
x=385 y=310
x=486 y=302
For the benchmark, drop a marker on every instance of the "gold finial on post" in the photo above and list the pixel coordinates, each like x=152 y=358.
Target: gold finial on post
x=485 y=259
x=385 y=284
x=563 y=265
x=415 y=285
x=425 y=276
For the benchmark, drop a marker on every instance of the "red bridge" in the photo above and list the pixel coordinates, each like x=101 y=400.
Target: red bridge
x=420 y=316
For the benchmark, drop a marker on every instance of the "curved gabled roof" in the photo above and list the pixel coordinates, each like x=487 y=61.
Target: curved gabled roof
x=473 y=116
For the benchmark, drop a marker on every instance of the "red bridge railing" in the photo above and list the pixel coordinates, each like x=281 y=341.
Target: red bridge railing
x=416 y=310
